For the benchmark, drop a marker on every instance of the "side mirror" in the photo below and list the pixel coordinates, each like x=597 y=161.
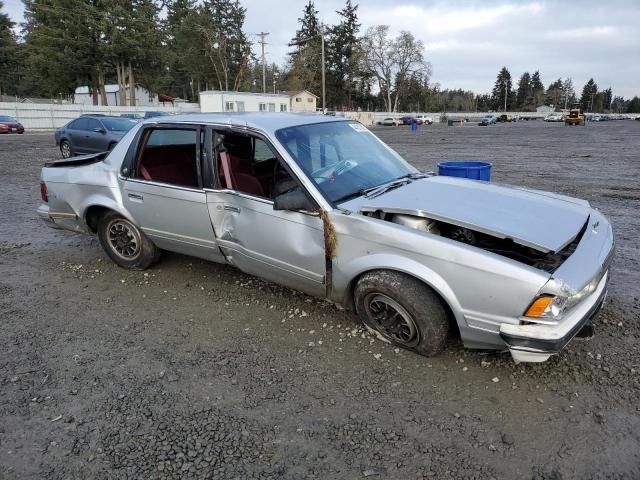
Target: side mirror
x=99 y=130
x=293 y=200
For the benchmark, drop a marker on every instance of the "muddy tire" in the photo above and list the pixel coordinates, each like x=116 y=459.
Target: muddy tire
x=125 y=243
x=403 y=311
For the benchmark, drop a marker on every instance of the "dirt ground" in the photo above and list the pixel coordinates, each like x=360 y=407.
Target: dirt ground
x=194 y=370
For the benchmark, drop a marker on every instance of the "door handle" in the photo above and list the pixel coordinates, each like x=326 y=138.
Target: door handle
x=135 y=196
x=231 y=208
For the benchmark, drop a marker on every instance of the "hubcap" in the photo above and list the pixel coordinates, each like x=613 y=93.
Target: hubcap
x=66 y=150
x=124 y=239
x=390 y=319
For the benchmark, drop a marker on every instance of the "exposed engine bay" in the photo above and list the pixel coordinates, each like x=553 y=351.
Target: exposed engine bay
x=506 y=247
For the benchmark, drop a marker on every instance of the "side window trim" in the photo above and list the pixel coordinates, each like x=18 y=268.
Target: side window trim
x=134 y=154
x=254 y=134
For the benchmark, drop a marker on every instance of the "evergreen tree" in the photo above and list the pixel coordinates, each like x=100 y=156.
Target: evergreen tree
x=633 y=106
x=570 y=94
x=555 y=94
x=524 y=97
x=537 y=89
x=589 y=92
x=502 y=90
x=341 y=56
x=8 y=55
x=305 y=61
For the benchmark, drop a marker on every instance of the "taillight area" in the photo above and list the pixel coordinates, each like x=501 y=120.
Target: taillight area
x=43 y=192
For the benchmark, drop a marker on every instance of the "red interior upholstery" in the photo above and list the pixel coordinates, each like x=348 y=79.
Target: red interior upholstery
x=174 y=164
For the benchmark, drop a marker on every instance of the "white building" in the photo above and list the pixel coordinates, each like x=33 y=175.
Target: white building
x=144 y=98
x=222 y=101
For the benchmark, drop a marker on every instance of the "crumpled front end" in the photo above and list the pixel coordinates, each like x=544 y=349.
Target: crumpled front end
x=575 y=294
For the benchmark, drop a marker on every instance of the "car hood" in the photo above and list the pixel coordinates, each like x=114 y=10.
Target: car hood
x=544 y=221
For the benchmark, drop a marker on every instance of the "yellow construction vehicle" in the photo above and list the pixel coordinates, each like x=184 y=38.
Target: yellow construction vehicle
x=575 y=116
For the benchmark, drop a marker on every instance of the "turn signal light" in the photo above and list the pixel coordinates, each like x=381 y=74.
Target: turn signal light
x=538 y=307
x=43 y=192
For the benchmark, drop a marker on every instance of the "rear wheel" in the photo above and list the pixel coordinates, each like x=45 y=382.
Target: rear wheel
x=125 y=243
x=403 y=311
x=65 y=149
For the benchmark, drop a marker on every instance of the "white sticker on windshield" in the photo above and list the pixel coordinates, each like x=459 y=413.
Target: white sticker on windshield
x=358 y=127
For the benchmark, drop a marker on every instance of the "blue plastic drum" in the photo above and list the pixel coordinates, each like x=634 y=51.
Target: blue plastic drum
x=474 y=170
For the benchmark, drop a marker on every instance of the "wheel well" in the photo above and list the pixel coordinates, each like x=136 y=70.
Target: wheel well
x=93 y=215
x=455 y=330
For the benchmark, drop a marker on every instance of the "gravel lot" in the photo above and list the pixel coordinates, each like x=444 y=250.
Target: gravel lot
x=194 y=370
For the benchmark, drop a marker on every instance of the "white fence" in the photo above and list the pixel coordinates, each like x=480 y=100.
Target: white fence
x=49 y=116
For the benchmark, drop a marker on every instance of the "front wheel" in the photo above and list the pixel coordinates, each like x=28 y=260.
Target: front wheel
x=403 y=311
x=125 y=243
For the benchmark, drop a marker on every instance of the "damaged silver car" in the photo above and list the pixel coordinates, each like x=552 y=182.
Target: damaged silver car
x=321 y=205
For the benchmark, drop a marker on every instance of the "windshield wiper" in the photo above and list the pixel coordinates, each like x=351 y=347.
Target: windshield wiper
x=371 y=192
x=398 y=182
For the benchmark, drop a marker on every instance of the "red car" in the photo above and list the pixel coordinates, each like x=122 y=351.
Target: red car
x=10 y=125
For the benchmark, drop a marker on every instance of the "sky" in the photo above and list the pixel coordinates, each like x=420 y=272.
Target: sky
x=468 y=41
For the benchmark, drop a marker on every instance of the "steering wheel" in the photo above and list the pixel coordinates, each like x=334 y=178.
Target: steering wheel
x=327 y=173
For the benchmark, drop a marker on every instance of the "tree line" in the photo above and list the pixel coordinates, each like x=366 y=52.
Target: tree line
x=177 y=48
x=530 y=93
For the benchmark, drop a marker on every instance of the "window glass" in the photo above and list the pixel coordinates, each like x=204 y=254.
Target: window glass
x=170 y=156
x=298 y=99
x=262 y=107
x=262 y=151
x=172 y=137
x=80 y=124
x=228 y=106
x=92 y=124
x=283 y=107
x=118 y=124
x=342 y=158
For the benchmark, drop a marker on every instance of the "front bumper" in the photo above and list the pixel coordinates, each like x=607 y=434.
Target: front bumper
x=537 y=342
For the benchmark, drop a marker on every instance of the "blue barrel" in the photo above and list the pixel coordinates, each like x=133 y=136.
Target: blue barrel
x=469 y=169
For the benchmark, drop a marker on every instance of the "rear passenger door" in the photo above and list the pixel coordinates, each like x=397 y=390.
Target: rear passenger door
x=164 y=191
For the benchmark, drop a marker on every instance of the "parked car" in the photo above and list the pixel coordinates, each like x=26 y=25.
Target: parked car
x=638 y=118
x=488 y=119
x=406 y=120
x=554 y=117
x=133 y=116
x=506 y=118
x=597 y=118
x=321 y=205
x=155 y=114
x=425 y=119
x=390 y=121
x=10 y=125
x=91 y=134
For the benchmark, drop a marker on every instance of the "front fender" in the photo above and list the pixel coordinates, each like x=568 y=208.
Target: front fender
x=346 y=273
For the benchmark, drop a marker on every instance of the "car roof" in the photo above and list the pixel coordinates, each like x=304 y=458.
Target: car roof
x=268 y=122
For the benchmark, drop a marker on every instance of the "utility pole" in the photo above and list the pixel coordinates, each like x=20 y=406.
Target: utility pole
x=324 y=108
x=505 y=95
x=262 y=35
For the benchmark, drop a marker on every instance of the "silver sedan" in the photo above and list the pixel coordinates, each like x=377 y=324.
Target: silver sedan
x=321 y=205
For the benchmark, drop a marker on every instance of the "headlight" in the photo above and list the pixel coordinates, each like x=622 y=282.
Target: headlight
x=547 y=306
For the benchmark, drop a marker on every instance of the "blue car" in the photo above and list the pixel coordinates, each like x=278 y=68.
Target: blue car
x=91 y=134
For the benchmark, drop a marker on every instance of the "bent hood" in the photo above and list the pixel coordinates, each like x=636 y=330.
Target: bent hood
x=544 y=221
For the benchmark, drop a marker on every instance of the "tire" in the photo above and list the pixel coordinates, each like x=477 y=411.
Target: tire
x=125 y=243
x=403 y=311
x=65 y=149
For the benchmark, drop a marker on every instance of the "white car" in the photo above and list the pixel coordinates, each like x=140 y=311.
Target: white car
x=554 y=117
x=425 y=120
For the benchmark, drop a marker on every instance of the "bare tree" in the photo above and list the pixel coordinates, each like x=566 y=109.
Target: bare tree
x=392 y=62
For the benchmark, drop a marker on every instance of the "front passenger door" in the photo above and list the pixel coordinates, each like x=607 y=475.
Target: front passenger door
x=286 y=247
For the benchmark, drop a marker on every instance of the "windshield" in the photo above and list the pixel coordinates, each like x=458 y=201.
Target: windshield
x=342 y=158
x=4 y=118
x=118 y=124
